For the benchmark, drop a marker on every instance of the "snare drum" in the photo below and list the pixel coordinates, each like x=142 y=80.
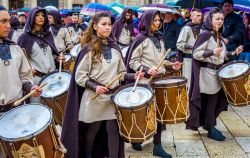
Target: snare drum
x=171 y=100
x=234 y=78
x=55 y=93
x=69 y=63
x=135 y=113
x=28 y=131
x=75 y=50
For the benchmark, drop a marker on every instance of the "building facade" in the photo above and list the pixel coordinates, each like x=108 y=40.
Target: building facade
x=68 y=4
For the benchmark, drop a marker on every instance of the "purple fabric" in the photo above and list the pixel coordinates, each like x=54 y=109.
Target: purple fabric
x=119 y=25
x=57 y=17
x=27 y=39
x=73 y=131
x=8 y=41
x=14 y=23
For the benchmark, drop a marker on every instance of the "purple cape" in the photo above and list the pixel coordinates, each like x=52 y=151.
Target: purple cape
x=119 y=25
x=27 y=39
x=73 y=131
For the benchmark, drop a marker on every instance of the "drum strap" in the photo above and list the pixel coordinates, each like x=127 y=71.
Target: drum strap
x=39 y=74
x=210 y=65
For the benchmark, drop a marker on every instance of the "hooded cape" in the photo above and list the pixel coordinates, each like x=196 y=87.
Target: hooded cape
x=119 y=25
x=27 y=39
x=73 y=131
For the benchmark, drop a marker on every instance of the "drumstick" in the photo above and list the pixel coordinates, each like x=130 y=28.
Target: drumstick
x=171 y=64
x=108 y=85
x=28 y=95
x=137 y=79
x=162 y=60
x=60 y=67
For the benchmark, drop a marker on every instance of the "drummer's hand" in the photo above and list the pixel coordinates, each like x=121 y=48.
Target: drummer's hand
x=101 y=89
x=38 y=91
x=140 y=74
x=61 y=58
x=226 y=41
x=177 y=66
x=239 y=49
x=69 y=47
x=33 y=72
x=217 y=51
x=152 y=72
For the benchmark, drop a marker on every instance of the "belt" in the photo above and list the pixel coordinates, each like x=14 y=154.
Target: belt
x=6 y=107
x=40 y=74
x=123 y=45
x=211 y=65
x=187 y=55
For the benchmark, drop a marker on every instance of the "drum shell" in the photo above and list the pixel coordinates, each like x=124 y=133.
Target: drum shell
x=169 y=97
x=69 y=65
x=139 y=115
x=56 y=103
x=239 y=97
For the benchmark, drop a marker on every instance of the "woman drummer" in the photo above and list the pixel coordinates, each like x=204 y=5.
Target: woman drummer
x=146 y=51
x=207 y=99
x=39 y=44
x=98 y=63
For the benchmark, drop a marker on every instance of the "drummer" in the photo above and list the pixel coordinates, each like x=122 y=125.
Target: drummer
x=16 y=75
x=39 y=45
x=186 y=41
x=98 y=63
x=146 y=51
x=207 y=99
x=61 y=35
x=75 y=29
x=123 y=29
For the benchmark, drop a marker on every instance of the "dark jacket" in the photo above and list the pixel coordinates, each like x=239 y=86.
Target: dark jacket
x=234 y=31
x=171 y=33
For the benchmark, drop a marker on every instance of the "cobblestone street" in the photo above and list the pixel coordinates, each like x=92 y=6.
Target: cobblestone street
x=181 y=143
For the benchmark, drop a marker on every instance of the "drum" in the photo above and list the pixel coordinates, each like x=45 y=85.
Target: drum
x=234 y=78
x=75 y=50
x=28 y=131
x=135 y=113
x=171 y=73
x=124 y=51
x=55 y=93
x=171 y=100
x=69 y=63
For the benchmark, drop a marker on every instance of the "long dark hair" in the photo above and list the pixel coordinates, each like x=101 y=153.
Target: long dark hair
x=91 y=39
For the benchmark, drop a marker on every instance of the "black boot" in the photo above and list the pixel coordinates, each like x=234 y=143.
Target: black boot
x=159 y=151
x=137 y=146
x=215 y=134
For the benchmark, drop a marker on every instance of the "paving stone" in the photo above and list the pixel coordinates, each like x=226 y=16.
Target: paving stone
x=244 y=142
x=228 y=156
x=190 y=148
x=243 y=111
x=183 y=156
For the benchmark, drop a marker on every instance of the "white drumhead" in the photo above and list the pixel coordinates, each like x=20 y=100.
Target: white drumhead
x=233 y=70
x=25 y=121
x=75 y=50
x=124 y=51
x=55 y=85
x=126 y=98
x=67 y=57
x=169 y=81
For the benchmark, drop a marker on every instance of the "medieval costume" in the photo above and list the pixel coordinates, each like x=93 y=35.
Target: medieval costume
x=75 y=30
x=14 y=33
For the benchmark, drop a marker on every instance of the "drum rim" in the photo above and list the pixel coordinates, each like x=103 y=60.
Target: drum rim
x=43 y=78
x=230 y=63
x=69 y=58
x=132 y=107
x=31 y=135
x=169 y=84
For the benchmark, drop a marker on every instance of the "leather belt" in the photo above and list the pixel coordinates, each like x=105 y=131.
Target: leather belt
x=210 y=65
x=187 y=55
x=40 y=74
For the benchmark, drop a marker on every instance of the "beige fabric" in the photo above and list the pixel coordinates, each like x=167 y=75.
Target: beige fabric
x=186 y=70
x=62 y=39
x=125 y=37
x=209 y=83
x=102 y=107
x=13 y=76
x=148 y=55
x=42 y=59
x=74 y=35
x=15 y=36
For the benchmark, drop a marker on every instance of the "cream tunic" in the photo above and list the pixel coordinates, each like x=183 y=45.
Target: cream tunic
x=13 y=76
x=209 y=83
x=186 y=38
x=15 y=36
x=73 y=34
x=125 y=37
x=148 y=55
x=62 y=39
x=102 y=108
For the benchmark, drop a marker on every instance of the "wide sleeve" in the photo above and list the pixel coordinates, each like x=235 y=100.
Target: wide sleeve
x=83 y=70
x=201 y=52
x=135 y=61
x=182 y=39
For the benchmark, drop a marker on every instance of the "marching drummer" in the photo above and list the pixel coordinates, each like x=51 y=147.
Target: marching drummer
x=186 y=41
x=207 y=99
x=16 y=74
x=98 y=63
x=123 y=29
x=75 y=29
x=39 y=45
x=61 y=35
x=147 y=50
